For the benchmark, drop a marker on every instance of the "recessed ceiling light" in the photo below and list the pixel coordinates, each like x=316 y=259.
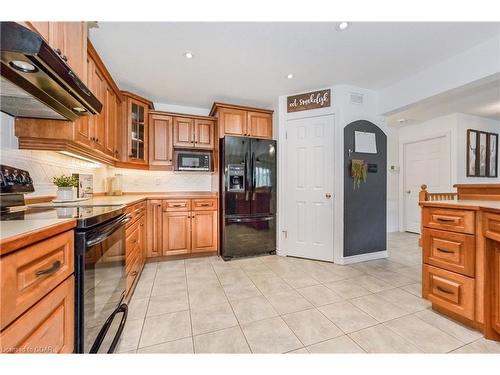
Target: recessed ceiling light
x=343 y=26
x=188 y=55
x=289 y=76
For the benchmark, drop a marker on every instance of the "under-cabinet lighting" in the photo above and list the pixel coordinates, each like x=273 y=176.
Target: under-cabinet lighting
x=68 y=153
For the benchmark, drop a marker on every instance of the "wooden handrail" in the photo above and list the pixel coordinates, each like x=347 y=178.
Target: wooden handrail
x=424 y=195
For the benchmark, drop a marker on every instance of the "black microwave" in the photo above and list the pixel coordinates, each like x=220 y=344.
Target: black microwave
x=200 y=161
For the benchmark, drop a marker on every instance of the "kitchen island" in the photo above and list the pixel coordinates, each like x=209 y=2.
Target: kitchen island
x=461 y=257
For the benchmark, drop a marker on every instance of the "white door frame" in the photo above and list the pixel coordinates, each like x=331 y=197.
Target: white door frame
x=402 y=143
x=284 y=117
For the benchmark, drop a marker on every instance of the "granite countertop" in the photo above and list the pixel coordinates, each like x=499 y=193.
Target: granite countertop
x=127 y=199
x=465 y=204
x=19 y=233
x=12 y=232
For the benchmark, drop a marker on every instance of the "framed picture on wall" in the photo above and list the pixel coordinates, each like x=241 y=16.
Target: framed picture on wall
x=482 y=154
x=471 y=153
x=492 y=155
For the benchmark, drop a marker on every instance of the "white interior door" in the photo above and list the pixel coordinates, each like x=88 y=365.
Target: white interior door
x=309 y=188
x=425 y=162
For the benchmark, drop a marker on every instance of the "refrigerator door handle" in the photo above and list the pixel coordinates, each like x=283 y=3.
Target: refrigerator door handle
x=246 y=179
x=253 y=176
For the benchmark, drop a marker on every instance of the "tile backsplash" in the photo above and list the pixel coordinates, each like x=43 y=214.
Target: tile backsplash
x=43 y=165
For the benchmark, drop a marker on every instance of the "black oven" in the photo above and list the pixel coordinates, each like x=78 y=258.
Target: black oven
x=193 y=161
x=100 y=312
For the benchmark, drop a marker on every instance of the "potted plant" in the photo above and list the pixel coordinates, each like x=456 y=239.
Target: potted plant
x=65 y=185
x=359 y=171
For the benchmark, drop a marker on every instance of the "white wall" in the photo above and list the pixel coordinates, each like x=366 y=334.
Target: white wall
x=344 y=113
x=478 y=62
x=167 y=107
x=42 y=165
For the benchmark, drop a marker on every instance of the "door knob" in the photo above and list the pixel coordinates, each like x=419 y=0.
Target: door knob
x=328 y=195
x=408 y=191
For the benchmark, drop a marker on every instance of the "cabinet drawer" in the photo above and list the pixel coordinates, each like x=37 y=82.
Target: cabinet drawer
x=491 y=226
x=48 y=327
x=454 y=220
x=204 y=204
x=173 y=205
x=452 y=251
x=132 y=237
x=135 y=212
x=30 y=273
x=451 y=291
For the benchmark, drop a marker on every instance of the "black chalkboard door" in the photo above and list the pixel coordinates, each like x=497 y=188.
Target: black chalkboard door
x=365 y=208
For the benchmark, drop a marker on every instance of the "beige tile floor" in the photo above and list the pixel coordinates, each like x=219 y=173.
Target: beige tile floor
x=274 y=304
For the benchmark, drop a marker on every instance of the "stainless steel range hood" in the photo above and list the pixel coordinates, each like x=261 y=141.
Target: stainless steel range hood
x=36 y=82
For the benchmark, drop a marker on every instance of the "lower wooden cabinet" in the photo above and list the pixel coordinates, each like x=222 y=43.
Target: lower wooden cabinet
x=181 y=226
x=176 y=233
x=154 y=228
x=135 y=245
x=203 y=231
x=449 y=291
x=496 y=286
x=48 y=327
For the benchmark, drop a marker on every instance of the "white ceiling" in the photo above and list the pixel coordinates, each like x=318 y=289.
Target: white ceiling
x=247 y=63
x=480 y=98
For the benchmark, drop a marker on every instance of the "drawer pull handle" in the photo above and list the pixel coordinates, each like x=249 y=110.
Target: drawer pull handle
x=134 y=273
x=445 y=251
x=444 y=290
x=55 y=267
x=205 y=204
x=177 y=205
x=446 y=220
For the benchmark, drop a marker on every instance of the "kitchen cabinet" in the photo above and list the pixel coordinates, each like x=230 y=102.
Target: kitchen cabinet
x=204 y=231
x=37 y=299
x=176 y=233
x=183 y=132
x=69 y=40
x=94 y=136
x=137 y=117
x=194 y=133
x=160 y=140
x=243 y=121
x=491 y=228
x=189 y=226
x=154 y=228
x=135 y=245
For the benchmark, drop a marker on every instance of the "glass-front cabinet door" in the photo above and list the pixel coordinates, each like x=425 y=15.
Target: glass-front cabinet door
x=137 y=131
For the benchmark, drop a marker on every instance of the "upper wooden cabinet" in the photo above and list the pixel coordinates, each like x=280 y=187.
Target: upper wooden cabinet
x=136 y=115
x=194 y=132
x=183 y=132
x=69 y=40
x=94 y=136
x=243 y=121
x=160 y=140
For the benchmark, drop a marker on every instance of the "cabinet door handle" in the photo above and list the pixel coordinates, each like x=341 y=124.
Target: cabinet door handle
x=134 y=273
x=446 y=220
x=445 y=251
x=58 y=51
x=65 y=58
x=444 y=290
x=55 y=267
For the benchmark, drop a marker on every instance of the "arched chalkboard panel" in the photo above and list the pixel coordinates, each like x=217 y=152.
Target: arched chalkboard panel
x=365 y=208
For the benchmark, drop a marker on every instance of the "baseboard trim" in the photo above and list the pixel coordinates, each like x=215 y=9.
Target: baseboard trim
x=363 y=257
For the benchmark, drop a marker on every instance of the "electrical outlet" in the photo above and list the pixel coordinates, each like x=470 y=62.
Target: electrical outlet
x=157 y=181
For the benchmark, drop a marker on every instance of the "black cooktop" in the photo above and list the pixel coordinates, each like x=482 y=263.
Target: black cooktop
x=86 y=216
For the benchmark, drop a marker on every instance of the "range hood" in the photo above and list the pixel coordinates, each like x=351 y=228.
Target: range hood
x=36 y=82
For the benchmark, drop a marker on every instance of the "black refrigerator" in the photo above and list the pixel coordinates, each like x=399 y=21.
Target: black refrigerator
x=248 y=196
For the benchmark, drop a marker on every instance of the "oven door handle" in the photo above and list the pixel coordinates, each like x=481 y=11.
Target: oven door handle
x=108 y=232
x=123 y=308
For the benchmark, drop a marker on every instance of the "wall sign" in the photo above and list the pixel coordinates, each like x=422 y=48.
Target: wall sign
x=309 y=100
